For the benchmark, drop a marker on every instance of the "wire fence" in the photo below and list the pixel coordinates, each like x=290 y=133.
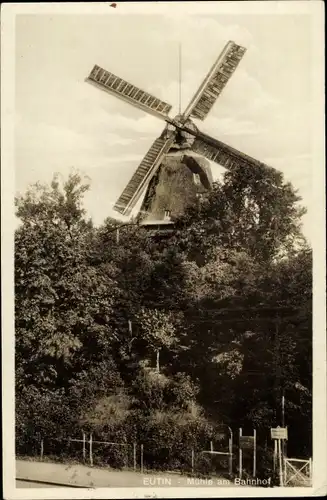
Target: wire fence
x=89 y=450
x=85 y=449
x=223 y=459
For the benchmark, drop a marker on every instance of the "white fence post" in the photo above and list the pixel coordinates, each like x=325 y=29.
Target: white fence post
x=275 y=454
x=42 y=449
x=281 y=473
x=285 y=470
x=91 y=454
x=84 y=448
x=134 y=456
x=230 y=460
x=254 y=452
x=240 y=455
x=141 y=458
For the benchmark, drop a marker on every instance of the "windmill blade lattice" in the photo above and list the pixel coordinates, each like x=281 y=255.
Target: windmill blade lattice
x=223 y=154
x=215 y=81
x=143 y=175
x=126 y=91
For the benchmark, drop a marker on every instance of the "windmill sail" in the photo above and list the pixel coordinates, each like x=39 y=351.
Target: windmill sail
x=128 y=92
x=143 y=175
x=215 y=81
x=222 y=153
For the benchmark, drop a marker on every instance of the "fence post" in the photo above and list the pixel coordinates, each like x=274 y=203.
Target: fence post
x=275 y=454
x=91 y=455
x=126 y=455
x=42 y=449
x=192 y=460
x=84 y=448
x=254 y=452
x=284 y=470
x=211 y=446
x=240 y=454
x=281 y=474
x=134 y=456
x=230 y=458
x=141 y=458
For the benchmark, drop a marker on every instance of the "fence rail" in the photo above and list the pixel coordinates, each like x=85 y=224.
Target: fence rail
x=86 y=449
x=132 y=456
x=91 y=450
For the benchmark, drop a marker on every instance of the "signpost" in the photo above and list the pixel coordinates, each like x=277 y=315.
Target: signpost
x=279 y=434
x=247 y=443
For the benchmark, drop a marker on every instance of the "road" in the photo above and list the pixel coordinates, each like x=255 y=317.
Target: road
x=81 y=476
x=30 y=484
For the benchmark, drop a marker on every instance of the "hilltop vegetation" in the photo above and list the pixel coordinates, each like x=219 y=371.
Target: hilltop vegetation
x=161 y=340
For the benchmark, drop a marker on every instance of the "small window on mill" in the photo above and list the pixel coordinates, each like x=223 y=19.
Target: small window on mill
x=196 y=179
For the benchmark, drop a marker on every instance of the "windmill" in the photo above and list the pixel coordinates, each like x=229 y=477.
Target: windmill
x=180 y=136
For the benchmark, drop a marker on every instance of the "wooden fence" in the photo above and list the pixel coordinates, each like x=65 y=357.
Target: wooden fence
x=297 y=472
x=91 y=451
x=87 y=449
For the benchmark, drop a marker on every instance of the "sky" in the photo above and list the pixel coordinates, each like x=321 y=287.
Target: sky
x=63 y=123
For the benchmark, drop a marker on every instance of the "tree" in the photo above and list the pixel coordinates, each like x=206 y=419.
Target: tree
x=63 y=304
x=223 y=304
x=158 y=330
x=248 y=349
x=253 y=210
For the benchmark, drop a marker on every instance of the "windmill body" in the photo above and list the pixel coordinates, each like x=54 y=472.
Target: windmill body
x=178 y=183
x=176 y=171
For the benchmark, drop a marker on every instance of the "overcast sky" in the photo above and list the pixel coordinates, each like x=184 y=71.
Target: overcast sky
x=63 y=122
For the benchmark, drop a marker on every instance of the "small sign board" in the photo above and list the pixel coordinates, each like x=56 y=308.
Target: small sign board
x=246 y=442
x=279 y=433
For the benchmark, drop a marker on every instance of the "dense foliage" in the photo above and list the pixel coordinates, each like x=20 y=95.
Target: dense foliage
x=164 y=339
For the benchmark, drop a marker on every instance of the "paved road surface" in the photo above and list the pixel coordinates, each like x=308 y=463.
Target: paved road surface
x=30 y=484
x=82 y=476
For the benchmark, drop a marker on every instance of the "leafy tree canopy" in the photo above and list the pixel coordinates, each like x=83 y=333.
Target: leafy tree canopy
x=133 y=335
